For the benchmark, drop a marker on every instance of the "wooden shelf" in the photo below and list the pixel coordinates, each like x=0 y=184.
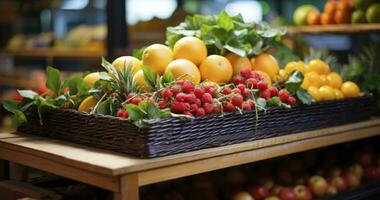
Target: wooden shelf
x=124 y=174
x=335 y=29
x=15 y=82
x=54 y=53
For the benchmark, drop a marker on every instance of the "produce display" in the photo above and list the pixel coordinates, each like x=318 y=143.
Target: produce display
x=303 y=176
x=339 y=12
x=212 y=64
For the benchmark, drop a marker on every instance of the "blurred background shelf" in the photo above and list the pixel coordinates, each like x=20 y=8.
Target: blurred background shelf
x=54 y=53
x=335 y=29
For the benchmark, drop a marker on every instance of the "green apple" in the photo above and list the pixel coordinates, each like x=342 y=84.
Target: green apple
x=373 y=13
x=358 y=17
x=362 y=4
x=300 y=15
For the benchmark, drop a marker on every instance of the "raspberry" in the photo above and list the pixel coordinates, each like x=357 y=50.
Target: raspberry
x=237 y=100
x=229 y=107
x=237 y=80
x=199 y=112
x=188 y=113
x=227 y=90
x=265 y=94
x=273 y=91
x=178 y=107
x=246 y=93
x=131 y=95
x=211 y=91
x=241 y=87
x=122 y=113
x=215 y=109
x=136 y=100
x=246 y=73
x=206 y=98
x=180 y=82
x=251 y=83
x=187 y=106
x=262 y=85
x=162 y=104
x=194 y=106
x=175 y=90
x=166 y=94
x=283 y=95
x=190 y=98
x=208 y=107
x=188 y=87
x=198 y=92
x=292 y=100
x=246 y=106
x=236 y=91
x=181 y=97
x=198 y=102
x=256 y=76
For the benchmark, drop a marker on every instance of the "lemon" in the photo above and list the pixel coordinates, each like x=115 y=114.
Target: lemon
x=184 y=69
x=314 y=92
x=91 y=78
x=157 y=57
x=140 y=82
x=334 y=80
x=127 y=61
x=327 y=93
x=350 y=89
x=314 y=79
x=317 y=66
x=88 y=104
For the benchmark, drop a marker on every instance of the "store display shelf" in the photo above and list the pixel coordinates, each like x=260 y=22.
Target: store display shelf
x=334 y=29
x=54 y=53
x=14 y=82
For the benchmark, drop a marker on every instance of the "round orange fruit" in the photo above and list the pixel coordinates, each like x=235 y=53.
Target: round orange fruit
x=266 y=63
x=216 y=68
x=184 y=69
x=157 y=57
x=190 y=48
x=127 y=61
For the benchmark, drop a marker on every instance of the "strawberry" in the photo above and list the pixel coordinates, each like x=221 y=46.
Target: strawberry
x=199 y=112
x=208 y=107
x=283 y=95
x=262 y=85
x=227 y=90
x=166 y=94
x=178 y=107
x=246 y=106
x=265 y=94
x=162 y=104
x=237 y=80
x=246 y=73
x=180 y=97
x=292 y=100
x=229 y=107
x=237 y=100
x=187 y=86
x=251 y=83
x=198 y=92
x=273 y=91
x=206 y=98
x=190 y=98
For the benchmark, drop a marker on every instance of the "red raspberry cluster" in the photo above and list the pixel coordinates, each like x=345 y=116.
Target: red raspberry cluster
x=238 y=97
x=185 y=98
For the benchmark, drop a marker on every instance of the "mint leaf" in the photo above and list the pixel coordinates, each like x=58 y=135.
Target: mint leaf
x=30 y=94
x=53 y=81
x=150 y=76
x=153 y=111
x=138 y=53
x=10 y=105
x=72 y=83
x=304 y=96
x=135 y=113
x=261 y=102
x=109 y=67
x=274 y=101
x=294 y=81
x=167 y=78
x=225 y=21
x=18 y=118
x=104 y=107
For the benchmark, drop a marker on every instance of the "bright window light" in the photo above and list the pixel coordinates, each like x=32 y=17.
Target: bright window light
x=74 y=4
x=250 y=10
x=145 y=10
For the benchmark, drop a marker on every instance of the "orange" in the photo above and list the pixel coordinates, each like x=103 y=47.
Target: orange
x=216 y=68
x=232 y=57
x=314 y=79
x=266 y=63
x=338 y=94
x=157 y=57
x=327 y=92
x=91 y=78
x=344 y=6
x=127 y=61
x=330 y=7
x=306 y=83
x=88 y=104
x=266 y=77
x=334 y=80
x=238 y=63
x=140 y=82
x=190 y=48
x=342 y=17
x=323 y=78
x=318 y=66
x=350 y=89
x=313 y=18
x=327 y=18
x=184 y=69
x=292 y=66
x=314 y=92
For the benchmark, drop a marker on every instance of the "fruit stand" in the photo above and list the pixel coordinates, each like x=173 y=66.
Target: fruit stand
x=123 y=175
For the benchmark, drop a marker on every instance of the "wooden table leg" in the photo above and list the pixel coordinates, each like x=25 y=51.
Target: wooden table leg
x=4 y=170
x=129 y=188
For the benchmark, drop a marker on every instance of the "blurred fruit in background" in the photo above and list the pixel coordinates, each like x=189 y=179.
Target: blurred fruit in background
x=301 y=14
x=373 y=13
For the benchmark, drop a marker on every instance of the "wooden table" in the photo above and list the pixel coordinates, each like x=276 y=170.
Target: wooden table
x=123 y=175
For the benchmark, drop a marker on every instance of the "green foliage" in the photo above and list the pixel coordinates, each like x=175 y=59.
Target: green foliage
x=293 y=85
x=138 y=53
x=53 y=81
x=223 y=33
x=144 y=112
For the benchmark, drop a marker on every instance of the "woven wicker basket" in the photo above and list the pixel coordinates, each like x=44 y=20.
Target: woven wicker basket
x=172 y=136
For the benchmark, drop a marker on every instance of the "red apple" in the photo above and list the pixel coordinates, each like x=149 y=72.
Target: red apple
x=318 y=185
x=331 y=190
x=340 y=183
x=352 y=179
x=371 y=173
x=266 y=181
x=276 y=189
x=302 y=192
x=287 y=194
x=258 y=192
x=272 y=198
x=357 y=169
x=334 y=172
x=242 y=196
x=365 y=159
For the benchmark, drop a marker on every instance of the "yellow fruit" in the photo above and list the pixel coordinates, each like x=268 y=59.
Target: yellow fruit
x=314 y=79
x=184 y=69
x=323 y=78
x=232 y=57
x=91 y=78
x=338 y=94
x=190 y=48
x=88 y=104
x=327 y=92
x=334 y=80
x=350 y=89
x=127 y=61
x=157 y=56
x=306 y=83
x=266 y=63
x=314 y=92
x=283 y=74
x=317 y=66
x=216 y=68
x=240 y=63
x=293 y=66
x=267 y=79
x=140 y=82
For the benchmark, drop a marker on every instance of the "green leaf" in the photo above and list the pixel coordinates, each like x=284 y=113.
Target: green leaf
x=73 y=83
x=274 y=101
x=150 y=76
x=153 y=111
x=11 y=105
x=104 y=107
x=261 y=102
x=18 y=118
x=225 y=21
x=165 y=114
x=109 y=67
x=135 y=113
x=138 y=53
x=30 y=94
x=167 y=78
x=303 y=96
x=143 y=105
x=294 y=81
x=53 y=81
